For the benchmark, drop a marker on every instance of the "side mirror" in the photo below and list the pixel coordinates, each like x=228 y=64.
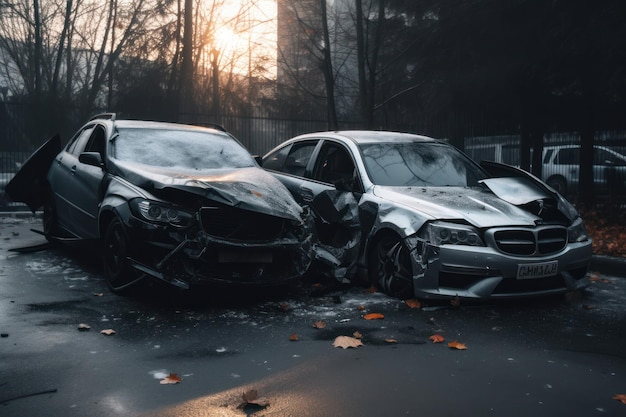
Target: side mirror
x=258 y=159
x=91 y=158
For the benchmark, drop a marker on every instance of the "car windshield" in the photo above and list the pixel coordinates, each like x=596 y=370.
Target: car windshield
x=419 y=164
x=179 y=149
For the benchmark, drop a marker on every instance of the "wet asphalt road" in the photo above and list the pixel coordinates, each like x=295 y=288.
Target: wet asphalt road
x=555 y=356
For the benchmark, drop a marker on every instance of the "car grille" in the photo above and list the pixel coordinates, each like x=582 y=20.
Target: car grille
x=237 y=224
x=531 y=242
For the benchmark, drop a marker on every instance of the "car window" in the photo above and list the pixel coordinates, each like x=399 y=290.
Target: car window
x=79 y=140
x=291 y=159
x=419 y=164
x=568 y=156
x=604 y=157
x=485 y=153
x=180 y=149
x=97 y=141
x=334 y=164
x=548 y=155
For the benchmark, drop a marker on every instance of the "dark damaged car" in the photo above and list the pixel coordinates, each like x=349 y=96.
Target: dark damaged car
x=185 y=204
x=417 y=217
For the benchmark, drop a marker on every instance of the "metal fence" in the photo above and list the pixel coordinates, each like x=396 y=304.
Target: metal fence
x=21 y=133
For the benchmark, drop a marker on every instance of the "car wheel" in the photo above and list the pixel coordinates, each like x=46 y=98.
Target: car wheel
x=558 y=183
x=120 y=276
x=390 y=267
x=50 y=217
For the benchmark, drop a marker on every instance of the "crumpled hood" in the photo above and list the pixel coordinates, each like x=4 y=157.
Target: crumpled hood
x=478 y=206
x=246 y=188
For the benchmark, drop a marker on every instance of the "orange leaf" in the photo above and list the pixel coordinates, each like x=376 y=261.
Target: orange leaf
x=293 y=337
x=437 y=338
x=372 y=289
x=319 y=324
x=391 y=341
x=171 y=379
x=360 y=308
x=620 y=397
x=413 y=303
x=108 y=332
x=456 y=345
x=346 y=342
x=357 y=335
x=373 y=316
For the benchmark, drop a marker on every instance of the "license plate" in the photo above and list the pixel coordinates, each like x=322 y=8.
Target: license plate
x=537 y=270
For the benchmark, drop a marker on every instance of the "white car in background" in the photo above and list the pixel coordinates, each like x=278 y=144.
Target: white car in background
x=561 y=168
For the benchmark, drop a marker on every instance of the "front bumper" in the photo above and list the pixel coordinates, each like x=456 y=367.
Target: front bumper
x=190 y=257
x=482 y=272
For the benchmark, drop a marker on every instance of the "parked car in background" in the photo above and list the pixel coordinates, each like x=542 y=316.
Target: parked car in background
x=561 y=168
x=430 y=222
x=184 y=204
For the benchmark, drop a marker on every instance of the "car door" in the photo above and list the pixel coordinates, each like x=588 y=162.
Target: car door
x=77 y=186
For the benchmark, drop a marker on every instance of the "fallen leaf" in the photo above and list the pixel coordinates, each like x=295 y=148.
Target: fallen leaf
x=98 y=294
x=372 y=289
x=391 y=341
x=171 y=379
x=620 y=397
x=413 y=303
x=360 y=308
x=108 y=332
x=319 y=324
x=251 y=397
x=594 y=278
x=456 y=345
x=82 y=327
x=373 y=316
x=455 y=302
x=437 y=338
x=293 y=337
x=347 y=342
x=357 y=335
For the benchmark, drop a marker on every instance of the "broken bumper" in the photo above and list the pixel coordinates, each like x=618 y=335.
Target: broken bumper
x=481 y=272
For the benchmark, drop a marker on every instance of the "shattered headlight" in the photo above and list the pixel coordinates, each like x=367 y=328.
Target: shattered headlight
x=576 y=231
x=443 y=233
x=161 y=213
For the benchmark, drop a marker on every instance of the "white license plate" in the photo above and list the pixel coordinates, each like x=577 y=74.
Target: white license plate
x=537 y=270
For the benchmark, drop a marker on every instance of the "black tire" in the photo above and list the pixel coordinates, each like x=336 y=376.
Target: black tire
x=558 y=183
x=390 y=267
x=120 y=276
x=50 y=217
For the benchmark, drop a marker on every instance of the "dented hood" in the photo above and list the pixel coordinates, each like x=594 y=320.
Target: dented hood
x=246 y=188
x=479 y=206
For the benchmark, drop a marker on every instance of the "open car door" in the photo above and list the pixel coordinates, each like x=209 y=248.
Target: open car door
x=28 y=186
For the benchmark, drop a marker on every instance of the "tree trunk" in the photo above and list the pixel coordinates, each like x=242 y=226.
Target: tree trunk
x=327 y=68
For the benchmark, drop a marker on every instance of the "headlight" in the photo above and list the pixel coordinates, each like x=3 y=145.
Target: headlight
x=576 y=232
x=442 y=233
x=160 y=213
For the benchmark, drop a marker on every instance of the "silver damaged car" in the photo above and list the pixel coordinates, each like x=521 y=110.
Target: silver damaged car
x=419 y=218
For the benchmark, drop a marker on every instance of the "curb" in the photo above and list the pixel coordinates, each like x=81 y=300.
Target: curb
x=608 y=265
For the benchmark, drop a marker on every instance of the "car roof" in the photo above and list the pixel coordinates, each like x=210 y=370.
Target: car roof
x=372 y=136
x=147 y=124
